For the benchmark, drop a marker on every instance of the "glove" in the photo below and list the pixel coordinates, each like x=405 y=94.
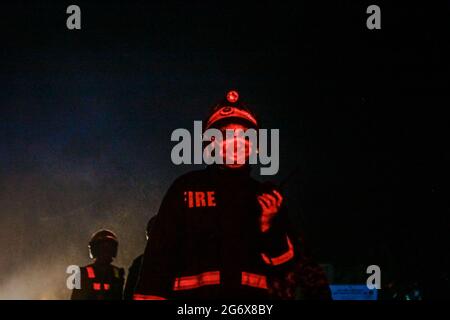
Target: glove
x=270 y=205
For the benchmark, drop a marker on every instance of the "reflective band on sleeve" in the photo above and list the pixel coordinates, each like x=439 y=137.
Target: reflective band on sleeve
x=146 y=297
x=254 y=280
x=285 y=257
x=90 y=272
x=192 y=282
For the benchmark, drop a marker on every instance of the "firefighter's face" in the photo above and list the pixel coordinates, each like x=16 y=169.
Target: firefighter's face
x=106 y=251
x=235 y=150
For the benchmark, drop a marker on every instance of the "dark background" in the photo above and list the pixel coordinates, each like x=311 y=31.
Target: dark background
x=86 y=118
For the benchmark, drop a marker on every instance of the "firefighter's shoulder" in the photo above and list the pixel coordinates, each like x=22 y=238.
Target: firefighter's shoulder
x=137 y=262
x=135 y=266
x=88 y=271
x=119 y=273
x=190 y=177
x=87 y=267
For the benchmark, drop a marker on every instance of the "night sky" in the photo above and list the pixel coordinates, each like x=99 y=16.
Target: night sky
x=86 y=118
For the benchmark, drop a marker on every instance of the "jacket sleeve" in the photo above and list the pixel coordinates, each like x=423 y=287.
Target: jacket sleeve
x=278 y=249
x=161 y=253
x=281 y=252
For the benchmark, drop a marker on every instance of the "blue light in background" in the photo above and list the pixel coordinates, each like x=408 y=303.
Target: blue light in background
x=353 y=292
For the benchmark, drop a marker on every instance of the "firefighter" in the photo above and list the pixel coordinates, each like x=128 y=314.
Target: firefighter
x=101 y=280
x=219 y=233
x=135 y=268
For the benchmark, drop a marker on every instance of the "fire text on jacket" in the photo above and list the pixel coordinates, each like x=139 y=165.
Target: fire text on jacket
x=195 y=199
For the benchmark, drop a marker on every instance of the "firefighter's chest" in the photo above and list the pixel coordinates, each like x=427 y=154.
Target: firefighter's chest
x=214 y=210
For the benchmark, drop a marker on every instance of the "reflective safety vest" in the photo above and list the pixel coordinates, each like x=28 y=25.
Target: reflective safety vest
x=105 y=283
x=98 y=286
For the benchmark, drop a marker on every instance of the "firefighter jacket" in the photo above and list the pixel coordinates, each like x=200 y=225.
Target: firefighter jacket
x=207 y=242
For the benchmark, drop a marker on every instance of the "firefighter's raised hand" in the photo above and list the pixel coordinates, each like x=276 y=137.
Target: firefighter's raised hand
x=270 y=205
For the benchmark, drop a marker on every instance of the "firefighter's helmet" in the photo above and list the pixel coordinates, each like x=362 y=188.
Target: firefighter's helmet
x=101 y=237
x=231 y=109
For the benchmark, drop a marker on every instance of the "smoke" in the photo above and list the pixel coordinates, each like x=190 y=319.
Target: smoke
x=49 y=211
x=39 y=279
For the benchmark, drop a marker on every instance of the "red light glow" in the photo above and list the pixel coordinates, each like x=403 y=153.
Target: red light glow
x=232 y=96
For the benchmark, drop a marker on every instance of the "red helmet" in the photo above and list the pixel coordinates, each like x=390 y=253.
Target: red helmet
x=231 y=109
